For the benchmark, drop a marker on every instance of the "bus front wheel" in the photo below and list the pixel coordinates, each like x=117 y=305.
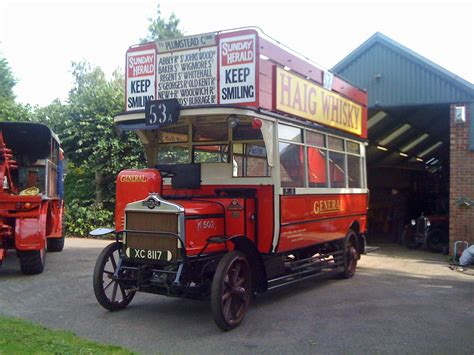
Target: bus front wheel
x=231 y=290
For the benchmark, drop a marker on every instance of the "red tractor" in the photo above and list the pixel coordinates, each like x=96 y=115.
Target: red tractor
x=31 y=196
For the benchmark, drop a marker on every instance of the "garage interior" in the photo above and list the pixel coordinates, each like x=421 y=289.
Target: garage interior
x=409 y=102
x=409 y=153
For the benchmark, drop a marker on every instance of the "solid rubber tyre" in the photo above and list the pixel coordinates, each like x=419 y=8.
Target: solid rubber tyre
x=55 y=245
x=103 y=279
x=32 y=261
x=231 y=290
x=351 y=255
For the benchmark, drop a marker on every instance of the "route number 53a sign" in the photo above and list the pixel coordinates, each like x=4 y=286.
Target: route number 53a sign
x=161 y=112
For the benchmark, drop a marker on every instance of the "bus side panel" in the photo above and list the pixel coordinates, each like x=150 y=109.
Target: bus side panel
x=308 y=220
x=265 y=218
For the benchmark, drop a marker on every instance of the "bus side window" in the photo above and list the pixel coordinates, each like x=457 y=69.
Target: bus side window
x=317 y=174
x=337 y=169
x=250 y=160
x=291 y=165
x=354 y=171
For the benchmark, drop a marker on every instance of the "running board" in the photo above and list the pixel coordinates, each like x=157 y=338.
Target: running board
x=309 y=268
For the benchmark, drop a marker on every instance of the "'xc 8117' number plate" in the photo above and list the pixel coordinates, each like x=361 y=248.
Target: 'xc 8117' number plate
x=144 y=254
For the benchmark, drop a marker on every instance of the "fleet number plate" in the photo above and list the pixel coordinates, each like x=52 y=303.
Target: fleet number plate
x=144 y=254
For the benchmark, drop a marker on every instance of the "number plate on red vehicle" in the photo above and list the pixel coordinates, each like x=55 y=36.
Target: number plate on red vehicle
x=144 y=254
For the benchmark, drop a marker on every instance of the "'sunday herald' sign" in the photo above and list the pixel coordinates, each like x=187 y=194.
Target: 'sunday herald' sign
x=237 y=69
x=186 y=69
x=141 y=76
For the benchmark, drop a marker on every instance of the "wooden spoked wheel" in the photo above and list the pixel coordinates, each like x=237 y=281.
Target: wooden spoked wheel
x=108 y=289
x=231 y=290
x=351 y=256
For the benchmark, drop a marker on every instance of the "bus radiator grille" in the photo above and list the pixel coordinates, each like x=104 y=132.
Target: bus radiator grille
x=152 y=222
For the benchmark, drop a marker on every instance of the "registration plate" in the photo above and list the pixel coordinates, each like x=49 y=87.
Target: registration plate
x=145 y=254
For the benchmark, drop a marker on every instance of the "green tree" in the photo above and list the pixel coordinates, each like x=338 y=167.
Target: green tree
x=7 y=81
x=89 y=139
x=12 y=111
x=161 y=29
x=55 y=116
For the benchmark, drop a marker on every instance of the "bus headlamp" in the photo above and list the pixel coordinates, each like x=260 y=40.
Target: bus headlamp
x=232 y=121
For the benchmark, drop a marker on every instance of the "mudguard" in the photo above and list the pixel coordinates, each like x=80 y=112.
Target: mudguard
x=255 y=260
x=30 y=233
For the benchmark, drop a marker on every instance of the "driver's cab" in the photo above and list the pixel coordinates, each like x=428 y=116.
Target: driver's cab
x=231 y=146
x=38 y=156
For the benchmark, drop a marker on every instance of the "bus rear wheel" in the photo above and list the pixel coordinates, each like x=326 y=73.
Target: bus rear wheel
x=351 y=255
x=231 y=290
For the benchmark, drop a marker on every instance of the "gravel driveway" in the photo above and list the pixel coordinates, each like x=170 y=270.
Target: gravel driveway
x=400 y=301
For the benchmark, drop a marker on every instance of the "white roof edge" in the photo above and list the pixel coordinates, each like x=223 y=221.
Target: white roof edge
x=135 y=116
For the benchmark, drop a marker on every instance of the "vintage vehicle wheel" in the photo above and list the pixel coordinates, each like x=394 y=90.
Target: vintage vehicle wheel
x=351 y=256
x=231 y=290
x=110 y=293
x=55 y=244
x=32 y=261
x=409 y=238
x=436 y=240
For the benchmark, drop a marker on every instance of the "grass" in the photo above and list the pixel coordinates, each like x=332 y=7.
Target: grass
x=22 y=337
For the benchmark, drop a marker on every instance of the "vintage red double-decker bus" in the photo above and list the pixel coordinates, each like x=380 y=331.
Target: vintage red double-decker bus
x=255 y=180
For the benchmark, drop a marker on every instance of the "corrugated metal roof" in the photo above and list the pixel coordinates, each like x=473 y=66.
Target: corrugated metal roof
x=394 y=75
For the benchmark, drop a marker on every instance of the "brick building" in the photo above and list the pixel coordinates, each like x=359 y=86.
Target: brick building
x=421 y=137
x=461 y=199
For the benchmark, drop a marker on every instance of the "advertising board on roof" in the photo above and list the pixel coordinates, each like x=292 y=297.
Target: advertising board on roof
x=186 y=69
x=189 y=76
x=237 y=69
x=241 y=68
x=176 y=44
x=303 y=98
x=140 y=76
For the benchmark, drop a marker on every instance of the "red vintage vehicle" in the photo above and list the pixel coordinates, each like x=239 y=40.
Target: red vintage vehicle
x=31 y=207
x=255 y=180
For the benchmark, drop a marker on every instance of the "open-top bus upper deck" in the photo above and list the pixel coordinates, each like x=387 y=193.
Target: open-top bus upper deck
x=241 y=68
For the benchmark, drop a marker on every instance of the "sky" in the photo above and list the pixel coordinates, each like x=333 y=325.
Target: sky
x=40 y=39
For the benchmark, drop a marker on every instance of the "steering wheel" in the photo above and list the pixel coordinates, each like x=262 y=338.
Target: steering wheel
x=166 y=174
